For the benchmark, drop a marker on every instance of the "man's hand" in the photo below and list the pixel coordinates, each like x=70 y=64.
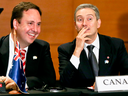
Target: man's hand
x=94 y=85
x=10 y=84
x=80 y=40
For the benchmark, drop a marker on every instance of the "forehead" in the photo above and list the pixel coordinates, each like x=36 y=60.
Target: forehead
x=85 y=12
x=31 y=14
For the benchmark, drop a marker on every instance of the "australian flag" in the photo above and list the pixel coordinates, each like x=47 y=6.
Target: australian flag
x=16 y=72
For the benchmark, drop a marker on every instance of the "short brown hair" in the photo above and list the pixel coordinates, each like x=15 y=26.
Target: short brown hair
x=18 y=11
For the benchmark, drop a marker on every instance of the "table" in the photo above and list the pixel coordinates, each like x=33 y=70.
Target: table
x=69 y=92
x=41 y=93
x=87 y=92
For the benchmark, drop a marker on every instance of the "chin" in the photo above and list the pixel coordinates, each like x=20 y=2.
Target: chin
x=30 y=41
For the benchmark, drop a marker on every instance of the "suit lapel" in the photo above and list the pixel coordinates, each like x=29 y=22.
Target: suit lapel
x=105 y=56
x=84 y=67
x=4 y=51
x=31 y=59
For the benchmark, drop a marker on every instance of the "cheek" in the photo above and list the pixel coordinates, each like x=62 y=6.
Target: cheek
x=78 y=25
x=91 y=23
x=24 y=29
x=39 y=30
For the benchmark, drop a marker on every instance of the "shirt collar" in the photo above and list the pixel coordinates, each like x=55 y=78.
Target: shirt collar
x=95 y=43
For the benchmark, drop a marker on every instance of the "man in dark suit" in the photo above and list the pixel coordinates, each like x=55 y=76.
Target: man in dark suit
x=111 y=55
x=25 y=25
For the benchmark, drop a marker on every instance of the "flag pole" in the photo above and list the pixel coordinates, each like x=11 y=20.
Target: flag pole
x=14 y=39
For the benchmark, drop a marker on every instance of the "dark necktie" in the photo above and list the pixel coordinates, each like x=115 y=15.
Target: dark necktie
x=92 y=60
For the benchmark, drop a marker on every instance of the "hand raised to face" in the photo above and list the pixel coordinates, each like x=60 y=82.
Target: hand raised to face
x=80 y=41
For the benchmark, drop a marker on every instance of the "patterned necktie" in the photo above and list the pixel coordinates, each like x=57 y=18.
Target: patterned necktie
x=92 y=60
x=23 y=58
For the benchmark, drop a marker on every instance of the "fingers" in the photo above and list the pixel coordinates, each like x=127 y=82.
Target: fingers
x=81 y=38
x=11 y=85
x=94 y=85
x=8 y=80
x=83 y=35
x=83 y=32
x=2 y=78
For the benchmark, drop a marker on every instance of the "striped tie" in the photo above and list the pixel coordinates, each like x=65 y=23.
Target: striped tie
x=23 y=58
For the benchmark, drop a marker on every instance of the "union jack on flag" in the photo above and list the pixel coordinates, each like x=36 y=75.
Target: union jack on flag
x=16 y=72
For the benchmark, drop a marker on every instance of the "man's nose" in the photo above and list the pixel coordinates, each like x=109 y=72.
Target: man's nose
x=35 y=28
x=84 y=23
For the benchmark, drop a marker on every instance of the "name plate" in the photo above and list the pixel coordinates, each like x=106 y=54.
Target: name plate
x=111 y=83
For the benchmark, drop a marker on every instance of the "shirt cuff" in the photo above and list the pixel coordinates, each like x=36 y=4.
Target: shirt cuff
x=75 y=61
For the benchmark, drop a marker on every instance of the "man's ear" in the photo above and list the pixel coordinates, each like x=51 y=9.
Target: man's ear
x=15 y=24
x=75 y=24
x=99 y=23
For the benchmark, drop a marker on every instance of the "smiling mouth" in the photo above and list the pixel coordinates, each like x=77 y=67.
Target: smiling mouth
x=31 y=34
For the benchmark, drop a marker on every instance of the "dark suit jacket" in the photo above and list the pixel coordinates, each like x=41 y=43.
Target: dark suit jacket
x=109 y=47
x=38 y=71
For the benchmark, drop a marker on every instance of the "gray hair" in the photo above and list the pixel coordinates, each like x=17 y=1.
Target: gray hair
x=87 y=6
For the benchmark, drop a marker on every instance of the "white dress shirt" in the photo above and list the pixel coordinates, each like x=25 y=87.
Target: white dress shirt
x=76 y=61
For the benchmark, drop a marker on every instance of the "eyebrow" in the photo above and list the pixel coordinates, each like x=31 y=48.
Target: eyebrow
x=90 y=14
x=86 y=15
x=33 y=21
